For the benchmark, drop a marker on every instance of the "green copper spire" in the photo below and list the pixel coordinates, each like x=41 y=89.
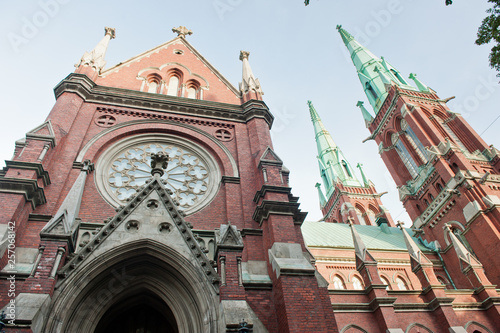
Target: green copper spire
x=422 y=87
x=375 y=74
x=333 y=166
x=366 y=182
x=366 y=115
x=322 y=199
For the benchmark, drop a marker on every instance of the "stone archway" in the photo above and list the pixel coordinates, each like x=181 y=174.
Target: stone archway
x=143 y=312
x=93 y=298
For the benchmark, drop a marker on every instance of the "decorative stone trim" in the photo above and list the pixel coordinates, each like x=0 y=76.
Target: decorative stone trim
x=268 y=207
x=27 y=187
x=123 y=213
x=38 y=167
x=230 y=180
x=271 y=188
x=149 y=115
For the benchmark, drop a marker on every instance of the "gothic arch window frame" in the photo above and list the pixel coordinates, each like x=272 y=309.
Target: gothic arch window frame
x=372 y=213
x=369 y=87
x=346 y=169
x=349 y=326
x=357 y=277
x=337 y=277
x=387 y=280
x=399 y=277
x=403 y=153
x=193 y=84
x=177 y=89
x=361 y=214
x=411 y=326
x=444 y=281
x=154 y=82
x=397 y=76
x=412 y=140
x=473 y=322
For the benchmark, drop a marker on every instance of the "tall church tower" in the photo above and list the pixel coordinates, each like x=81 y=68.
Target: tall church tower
x=152 y=197
x=445 y=172
x=347 y=199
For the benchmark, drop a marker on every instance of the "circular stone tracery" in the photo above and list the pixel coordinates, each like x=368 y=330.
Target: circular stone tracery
x=191 y=173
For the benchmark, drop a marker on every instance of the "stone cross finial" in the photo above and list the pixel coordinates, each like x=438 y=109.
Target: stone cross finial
x=159 y=162
x=400 y=225
x=182 y=31
x=244 y=55
x=110 y=32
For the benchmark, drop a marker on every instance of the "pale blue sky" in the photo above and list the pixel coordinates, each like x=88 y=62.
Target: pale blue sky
x=296 y=53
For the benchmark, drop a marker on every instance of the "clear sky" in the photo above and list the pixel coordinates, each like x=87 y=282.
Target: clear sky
x=296 y=53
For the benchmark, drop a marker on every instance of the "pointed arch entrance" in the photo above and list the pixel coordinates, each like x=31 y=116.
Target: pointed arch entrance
x=144 y=312
x=143 y=284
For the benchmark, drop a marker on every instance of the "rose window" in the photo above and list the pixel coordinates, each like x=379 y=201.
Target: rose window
x=191 y=173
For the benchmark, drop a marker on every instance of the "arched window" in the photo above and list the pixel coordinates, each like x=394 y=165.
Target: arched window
x=431 y=197
x=401 y=283
x=338 y=283
x=192 y=89
x=414 y=141
x=440 y=187
x=460 y=236
x=153 y=82
x=191 y=92
x=357 y=284
x=325 y=179
x=426 y=203
x=173 y=86
x=372 y=91
x=396 y=74
x=386 y=282
x=360 y=216
x=404 y=155
x=153 y=87
x=371 y=216
x=346 y=169
x=441 y=280
x=447 y=131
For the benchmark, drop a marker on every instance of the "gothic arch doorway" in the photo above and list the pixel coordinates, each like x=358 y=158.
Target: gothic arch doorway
x=141 y=313
x=143 y=284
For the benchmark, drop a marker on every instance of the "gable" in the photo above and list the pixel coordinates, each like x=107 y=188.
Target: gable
x=150 y=215
x=174 y=58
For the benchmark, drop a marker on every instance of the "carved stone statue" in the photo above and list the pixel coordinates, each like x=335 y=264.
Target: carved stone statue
x=159 y=162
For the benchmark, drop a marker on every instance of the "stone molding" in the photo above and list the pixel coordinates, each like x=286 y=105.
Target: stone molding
x=268 y=207
x=27 y=187
x=37 y=167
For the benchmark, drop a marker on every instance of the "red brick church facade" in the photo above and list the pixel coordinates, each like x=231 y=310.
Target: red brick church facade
x=151 y=199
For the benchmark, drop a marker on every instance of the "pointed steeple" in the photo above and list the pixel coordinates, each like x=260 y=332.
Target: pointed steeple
x=413 y=250
x=359 y=246
x=375 y=74
x=95 y=58
x=366 y=182
x=465 y=257
x=332 y=163
x=65 y=221
x=250 y=86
